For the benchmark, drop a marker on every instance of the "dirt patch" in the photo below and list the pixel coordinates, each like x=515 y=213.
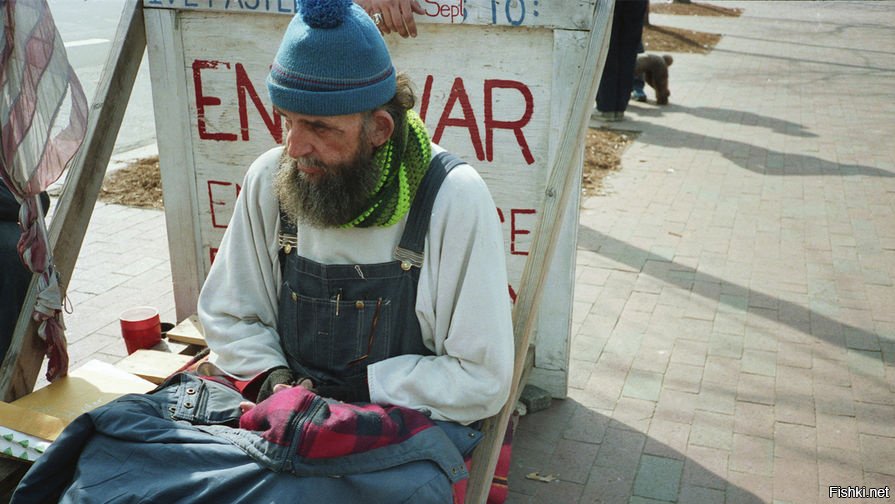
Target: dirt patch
x=139 y=184
x=668 y=39
x=602 y=155
x=658 y=38
x=693 y=9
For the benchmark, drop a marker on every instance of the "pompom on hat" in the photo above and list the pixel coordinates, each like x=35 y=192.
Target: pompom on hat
x=332 y=61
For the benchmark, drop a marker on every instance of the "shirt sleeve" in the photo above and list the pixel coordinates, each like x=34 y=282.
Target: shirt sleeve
x=464 y=281
x=238 y=302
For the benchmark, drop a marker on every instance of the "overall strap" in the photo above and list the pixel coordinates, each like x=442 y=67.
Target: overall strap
x=410 y=249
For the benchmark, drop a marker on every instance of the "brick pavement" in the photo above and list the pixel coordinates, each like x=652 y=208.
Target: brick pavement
x=734 y=330
x=734 y=337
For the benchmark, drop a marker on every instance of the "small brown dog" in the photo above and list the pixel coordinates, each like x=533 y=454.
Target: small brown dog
x=653 y=69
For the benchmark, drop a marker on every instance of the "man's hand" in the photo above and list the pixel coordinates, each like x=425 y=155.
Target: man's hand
x=275 y=376
x=281 y=376
x=245 y=406
x=397 y=15
x=355 y=392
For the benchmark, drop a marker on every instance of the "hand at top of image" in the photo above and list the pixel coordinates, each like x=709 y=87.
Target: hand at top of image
x=393 y=15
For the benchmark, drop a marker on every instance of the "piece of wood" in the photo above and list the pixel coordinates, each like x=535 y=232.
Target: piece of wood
x=152 y=365
x=172 y=347
x=170 y=98
x=69 y=225
x=559 y=188
x=566 y=14
x=84 y=389
x=189 y=331
x=549 y=478
x=554 y=323
x=554 y=381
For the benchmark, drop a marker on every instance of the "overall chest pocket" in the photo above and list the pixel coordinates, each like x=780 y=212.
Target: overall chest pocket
x=336 y=336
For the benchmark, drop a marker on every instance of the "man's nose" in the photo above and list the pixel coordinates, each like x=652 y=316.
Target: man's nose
x=296 y=144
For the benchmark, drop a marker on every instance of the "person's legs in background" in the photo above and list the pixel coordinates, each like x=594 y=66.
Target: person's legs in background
x=14 y=276
x=13 y=282
x=609 y=79
x=630 y=40
x=617 y=79
x=638 y=93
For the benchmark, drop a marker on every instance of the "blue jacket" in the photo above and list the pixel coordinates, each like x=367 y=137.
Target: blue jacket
x=180 y=443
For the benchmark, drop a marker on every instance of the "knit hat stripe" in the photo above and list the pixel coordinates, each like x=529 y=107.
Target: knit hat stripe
x=286 y=78
x=329 y=103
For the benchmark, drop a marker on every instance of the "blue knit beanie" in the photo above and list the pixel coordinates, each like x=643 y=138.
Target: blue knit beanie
x=332 y=61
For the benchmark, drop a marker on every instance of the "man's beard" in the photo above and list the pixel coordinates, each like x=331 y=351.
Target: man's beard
x=339 y=194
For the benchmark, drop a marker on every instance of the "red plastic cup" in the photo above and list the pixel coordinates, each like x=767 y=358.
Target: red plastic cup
x=141 y=327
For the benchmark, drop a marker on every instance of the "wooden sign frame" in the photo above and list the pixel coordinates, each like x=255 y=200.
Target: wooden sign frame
x=209 y=97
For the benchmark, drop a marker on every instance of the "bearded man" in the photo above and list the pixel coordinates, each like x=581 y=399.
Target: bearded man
x=362 y=264
x=362 y=261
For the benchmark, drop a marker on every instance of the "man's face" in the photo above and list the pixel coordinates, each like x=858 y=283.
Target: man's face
x=326 y=173
x=328 y=139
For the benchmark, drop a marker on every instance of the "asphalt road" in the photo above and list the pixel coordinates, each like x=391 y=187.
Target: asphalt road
x=88 y=30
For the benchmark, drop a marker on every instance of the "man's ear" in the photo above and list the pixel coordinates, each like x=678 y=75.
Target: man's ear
x=383 y=126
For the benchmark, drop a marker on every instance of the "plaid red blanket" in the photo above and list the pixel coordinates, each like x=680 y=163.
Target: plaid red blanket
x=331 y=428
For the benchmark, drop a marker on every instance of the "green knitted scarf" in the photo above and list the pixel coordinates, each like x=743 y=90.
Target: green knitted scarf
x=404 y=163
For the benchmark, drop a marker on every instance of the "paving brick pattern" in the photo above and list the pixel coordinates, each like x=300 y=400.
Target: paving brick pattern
x=749 y=237
x=734 y=316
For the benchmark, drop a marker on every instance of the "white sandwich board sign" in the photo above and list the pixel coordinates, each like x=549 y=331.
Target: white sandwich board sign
x=492 y=80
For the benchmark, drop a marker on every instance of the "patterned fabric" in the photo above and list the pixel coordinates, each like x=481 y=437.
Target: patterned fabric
x=36 y=143
x=332 y=429
x=402 y=172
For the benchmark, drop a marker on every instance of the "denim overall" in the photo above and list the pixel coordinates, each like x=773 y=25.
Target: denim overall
x=336 y=319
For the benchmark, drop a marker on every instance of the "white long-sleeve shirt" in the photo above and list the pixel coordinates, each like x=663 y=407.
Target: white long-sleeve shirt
x=462 y=303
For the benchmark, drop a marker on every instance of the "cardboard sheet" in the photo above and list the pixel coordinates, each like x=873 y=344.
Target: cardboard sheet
x=88 y=387
x=153 y=365
x=30 y=422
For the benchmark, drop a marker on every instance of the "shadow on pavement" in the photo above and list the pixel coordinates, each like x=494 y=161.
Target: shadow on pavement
x=806 y=44
x=747 y=156
x=599 y=459
x=798 y=60
x=746 y=118
x=725 y=115
x=797 y=317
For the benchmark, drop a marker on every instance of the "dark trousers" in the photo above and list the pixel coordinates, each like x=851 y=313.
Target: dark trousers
x=14 y=279
x=618 y=71
x=14 y=276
